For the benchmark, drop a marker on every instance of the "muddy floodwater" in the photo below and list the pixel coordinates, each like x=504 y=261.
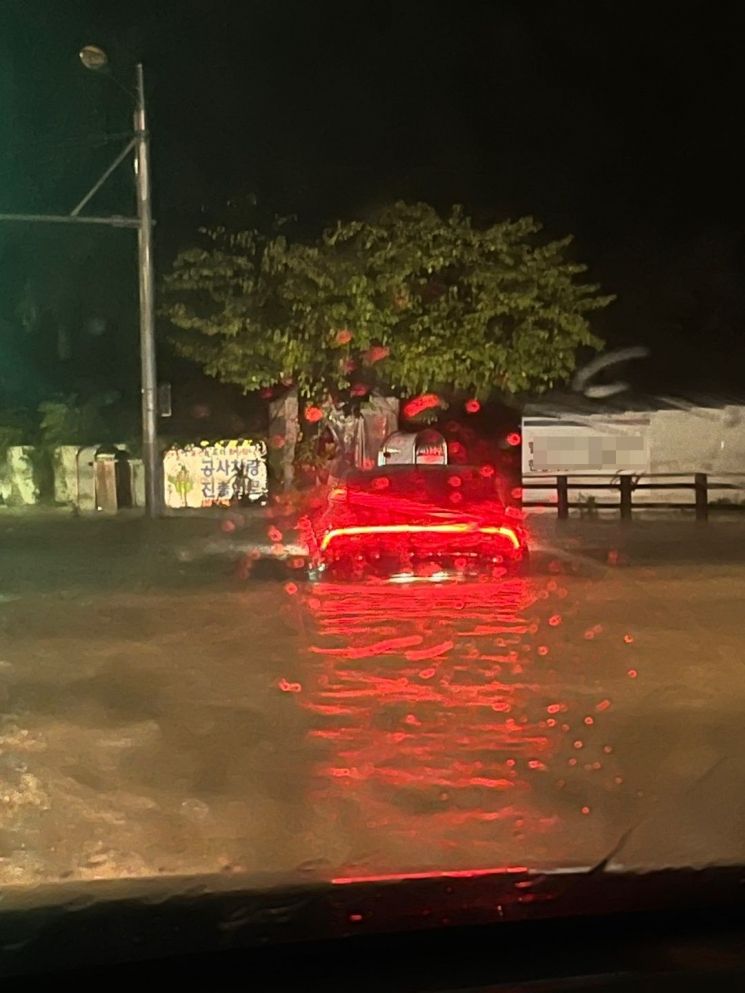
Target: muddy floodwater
x=169 y=716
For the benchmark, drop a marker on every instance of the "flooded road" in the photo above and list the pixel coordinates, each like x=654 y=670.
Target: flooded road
x=198 y=723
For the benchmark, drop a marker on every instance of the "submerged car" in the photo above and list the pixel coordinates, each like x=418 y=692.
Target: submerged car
x=407 y=523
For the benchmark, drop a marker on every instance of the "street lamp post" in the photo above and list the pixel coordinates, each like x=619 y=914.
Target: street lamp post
x=95 y=58
x=149 y=386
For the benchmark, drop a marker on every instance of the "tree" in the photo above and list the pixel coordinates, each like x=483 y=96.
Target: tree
x=408 y=301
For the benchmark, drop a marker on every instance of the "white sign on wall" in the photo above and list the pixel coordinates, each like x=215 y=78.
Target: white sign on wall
x=604 y=446
x=215 y=474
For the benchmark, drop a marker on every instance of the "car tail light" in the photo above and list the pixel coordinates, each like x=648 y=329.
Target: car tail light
x=445 y=529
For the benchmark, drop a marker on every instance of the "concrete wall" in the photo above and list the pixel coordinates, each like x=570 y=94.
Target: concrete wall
x=699 y=440
x=65 y=464
x=17 y=483
x=74 y=478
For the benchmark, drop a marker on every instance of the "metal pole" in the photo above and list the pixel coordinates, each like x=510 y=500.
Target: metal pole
x=562 y=497
x=97 y=186
x=150 y=450
x=113 y=222
x=626 y=499
x=701 y=489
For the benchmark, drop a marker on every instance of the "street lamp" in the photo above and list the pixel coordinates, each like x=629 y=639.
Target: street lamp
x=94 y=58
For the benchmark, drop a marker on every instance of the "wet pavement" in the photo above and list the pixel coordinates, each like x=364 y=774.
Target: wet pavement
x=166 y=713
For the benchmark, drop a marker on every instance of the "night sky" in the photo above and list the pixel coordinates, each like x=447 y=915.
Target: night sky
x=619 y=123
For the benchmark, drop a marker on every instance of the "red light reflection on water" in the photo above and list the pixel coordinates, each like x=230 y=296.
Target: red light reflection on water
x=454 y=726
x=427 y=716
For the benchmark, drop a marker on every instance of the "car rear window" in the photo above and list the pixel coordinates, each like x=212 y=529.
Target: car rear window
x=432 y=484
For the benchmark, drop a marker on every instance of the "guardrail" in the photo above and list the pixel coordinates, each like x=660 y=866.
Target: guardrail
x=626 y=485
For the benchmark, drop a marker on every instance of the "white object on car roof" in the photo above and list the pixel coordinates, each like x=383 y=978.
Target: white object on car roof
x=414 y=447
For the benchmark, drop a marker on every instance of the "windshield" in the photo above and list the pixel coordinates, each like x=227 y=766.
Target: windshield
x=244 y=246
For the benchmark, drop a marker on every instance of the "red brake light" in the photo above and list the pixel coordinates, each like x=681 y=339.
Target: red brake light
x=503 y=531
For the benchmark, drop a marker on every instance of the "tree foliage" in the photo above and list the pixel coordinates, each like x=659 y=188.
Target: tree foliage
x=103 y=418
x=409 y=301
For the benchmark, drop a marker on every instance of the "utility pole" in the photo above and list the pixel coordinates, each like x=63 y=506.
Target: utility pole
x=95 y=58
x=149 y=383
